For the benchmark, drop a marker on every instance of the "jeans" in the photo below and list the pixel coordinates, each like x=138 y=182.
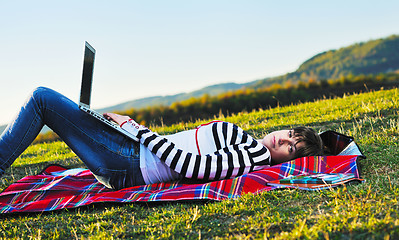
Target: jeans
x=112 y=157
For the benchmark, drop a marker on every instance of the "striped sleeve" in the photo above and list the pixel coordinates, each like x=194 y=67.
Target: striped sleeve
x=237 y=153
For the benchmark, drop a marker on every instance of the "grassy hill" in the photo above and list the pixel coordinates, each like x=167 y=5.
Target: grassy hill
x=212 y=90
x=365 y=211
x=372 y=57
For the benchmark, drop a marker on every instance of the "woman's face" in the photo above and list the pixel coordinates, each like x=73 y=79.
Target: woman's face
x=282 y=145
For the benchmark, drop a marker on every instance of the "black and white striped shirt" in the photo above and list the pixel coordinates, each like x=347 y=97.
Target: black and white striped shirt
x=235 y=152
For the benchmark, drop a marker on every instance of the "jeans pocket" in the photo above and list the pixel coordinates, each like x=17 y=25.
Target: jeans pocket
x=114 y=179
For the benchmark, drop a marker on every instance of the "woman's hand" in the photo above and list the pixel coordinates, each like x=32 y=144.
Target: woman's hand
x=131 y=126
x=119 y=119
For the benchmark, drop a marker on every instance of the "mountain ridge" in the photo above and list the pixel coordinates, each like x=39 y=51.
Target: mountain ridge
x=167 y=100
x=371 y=57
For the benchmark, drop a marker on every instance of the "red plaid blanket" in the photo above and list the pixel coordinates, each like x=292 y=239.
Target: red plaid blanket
x=58 y=188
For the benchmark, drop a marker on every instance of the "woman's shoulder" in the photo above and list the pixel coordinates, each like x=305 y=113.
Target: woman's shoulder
x=217 y=122
x=217 y=125
x=227 y=129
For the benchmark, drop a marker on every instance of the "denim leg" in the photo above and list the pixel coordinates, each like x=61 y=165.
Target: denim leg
x=111 y=156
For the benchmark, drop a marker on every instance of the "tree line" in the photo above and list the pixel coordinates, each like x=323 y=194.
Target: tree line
x=252 y=99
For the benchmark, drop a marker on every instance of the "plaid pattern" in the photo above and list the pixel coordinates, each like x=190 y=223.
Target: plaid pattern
x=51 y=190
x=336 y=142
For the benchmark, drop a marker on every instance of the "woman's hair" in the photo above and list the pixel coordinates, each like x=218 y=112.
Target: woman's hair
x=313 y=145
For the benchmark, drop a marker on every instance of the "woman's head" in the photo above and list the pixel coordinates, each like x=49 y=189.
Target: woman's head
x=285 y=145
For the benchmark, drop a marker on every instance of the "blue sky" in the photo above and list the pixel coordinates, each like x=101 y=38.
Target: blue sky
x=147 y=48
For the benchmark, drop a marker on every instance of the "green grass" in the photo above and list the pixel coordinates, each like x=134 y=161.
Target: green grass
x=365 y=211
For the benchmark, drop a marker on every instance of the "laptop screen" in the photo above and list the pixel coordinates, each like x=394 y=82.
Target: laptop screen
x=87 y=75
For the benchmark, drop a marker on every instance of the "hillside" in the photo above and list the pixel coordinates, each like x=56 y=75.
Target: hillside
x=212 y=90
x=372 y=57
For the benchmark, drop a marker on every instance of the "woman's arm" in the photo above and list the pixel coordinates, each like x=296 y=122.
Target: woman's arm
x=231 y=161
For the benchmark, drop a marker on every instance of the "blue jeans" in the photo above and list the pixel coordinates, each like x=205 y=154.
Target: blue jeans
x=112 y=157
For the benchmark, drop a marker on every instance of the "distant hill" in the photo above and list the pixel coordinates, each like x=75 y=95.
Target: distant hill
x=212 y=90
x=372 y=57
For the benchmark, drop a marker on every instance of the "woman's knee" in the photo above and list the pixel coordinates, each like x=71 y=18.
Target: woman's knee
x=45 y=95
x=40 y=91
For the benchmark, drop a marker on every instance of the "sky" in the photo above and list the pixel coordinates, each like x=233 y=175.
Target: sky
x=158 y=47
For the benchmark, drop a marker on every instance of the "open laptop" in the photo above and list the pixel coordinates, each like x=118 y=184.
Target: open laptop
x=85 y=91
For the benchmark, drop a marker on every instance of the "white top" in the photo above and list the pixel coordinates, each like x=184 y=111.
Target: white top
x=214 y=151
x=153 y=169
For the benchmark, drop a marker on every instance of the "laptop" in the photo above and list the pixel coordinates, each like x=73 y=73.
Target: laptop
x=85 y=91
